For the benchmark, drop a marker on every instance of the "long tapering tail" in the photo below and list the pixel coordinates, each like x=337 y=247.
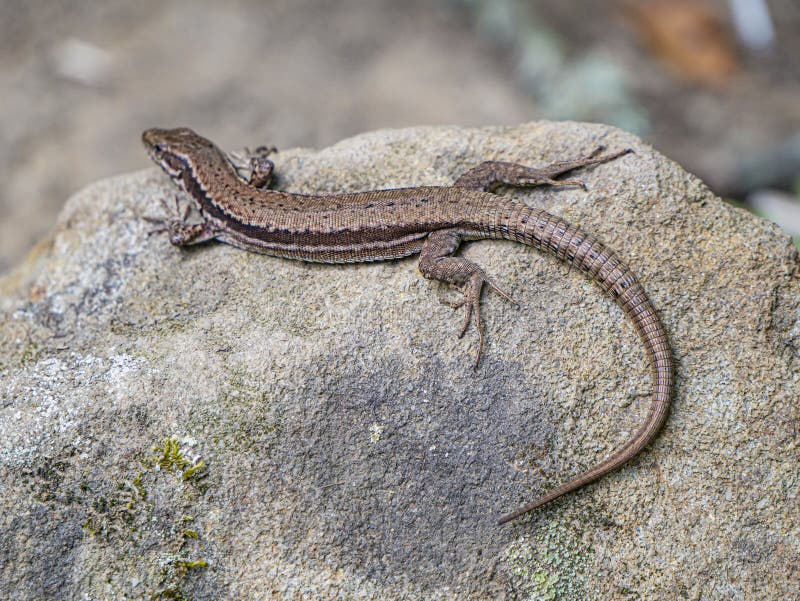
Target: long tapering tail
x=550 y=233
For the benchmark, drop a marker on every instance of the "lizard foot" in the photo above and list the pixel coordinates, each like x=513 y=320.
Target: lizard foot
x=548 y=174
x=254 y=166
x=172 y=215
x=488 y=176
x=180 y=232
x=471 y=300
x=437 y=263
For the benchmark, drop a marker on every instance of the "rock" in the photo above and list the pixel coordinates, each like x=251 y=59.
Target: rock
x=218 y=424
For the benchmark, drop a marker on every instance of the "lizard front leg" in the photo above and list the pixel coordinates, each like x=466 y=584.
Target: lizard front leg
x=180 y=232
x=489 y=175
x=256 y=165
x=437 y=263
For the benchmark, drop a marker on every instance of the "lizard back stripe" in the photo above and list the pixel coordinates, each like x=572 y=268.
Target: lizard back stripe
x=432 y=221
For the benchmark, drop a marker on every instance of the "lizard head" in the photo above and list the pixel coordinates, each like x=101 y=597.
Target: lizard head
x=175 y=149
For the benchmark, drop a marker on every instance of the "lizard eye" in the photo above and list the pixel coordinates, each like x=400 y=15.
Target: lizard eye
x=158 y=148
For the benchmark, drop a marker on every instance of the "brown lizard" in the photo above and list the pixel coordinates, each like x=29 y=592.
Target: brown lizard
x=389 y=224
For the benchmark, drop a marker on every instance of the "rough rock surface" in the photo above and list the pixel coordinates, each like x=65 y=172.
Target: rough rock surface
x=218 y=424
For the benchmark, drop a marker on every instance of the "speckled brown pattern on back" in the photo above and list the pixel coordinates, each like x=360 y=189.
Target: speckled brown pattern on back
x=431 y=221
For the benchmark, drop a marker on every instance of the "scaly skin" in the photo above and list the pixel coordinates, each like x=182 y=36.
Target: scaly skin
x=431 y=221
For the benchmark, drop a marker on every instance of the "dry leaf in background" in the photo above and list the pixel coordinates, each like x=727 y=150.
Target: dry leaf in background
x=690 y=37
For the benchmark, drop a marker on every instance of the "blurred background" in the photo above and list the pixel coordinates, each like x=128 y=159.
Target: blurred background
x=713 y=84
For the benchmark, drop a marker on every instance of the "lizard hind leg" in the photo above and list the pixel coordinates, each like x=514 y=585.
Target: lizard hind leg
x=437 y=263
x=488 y=176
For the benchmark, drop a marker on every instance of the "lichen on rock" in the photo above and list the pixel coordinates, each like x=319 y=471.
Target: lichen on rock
x=322 y=432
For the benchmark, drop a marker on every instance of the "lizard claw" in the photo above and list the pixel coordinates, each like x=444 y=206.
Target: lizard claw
x=174 y=218
x=501 y=292
x=470 y=300
x=254 y=167
x=161 y=225
x=472 y=314
x=599 y=150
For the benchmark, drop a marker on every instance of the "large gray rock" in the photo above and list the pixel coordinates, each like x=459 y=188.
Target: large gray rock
x=218 y=424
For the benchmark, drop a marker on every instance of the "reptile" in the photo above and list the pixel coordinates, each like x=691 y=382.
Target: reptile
x=429 y=221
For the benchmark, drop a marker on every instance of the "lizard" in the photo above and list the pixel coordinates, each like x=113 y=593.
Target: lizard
x=394 y=223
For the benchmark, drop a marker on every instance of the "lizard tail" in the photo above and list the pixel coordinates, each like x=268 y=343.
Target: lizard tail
x=569 y=243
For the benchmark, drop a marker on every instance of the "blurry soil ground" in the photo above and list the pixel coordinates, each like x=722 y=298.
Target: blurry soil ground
x=80 y=80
